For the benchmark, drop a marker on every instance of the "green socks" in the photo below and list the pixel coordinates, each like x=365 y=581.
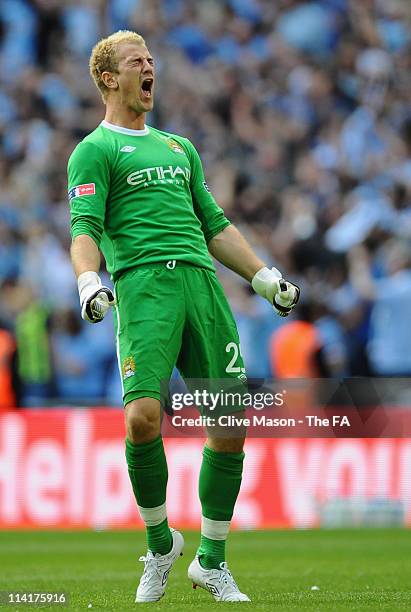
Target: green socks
x=220 y=480
x=159 y=538
x=211 y=552
x=147 y=467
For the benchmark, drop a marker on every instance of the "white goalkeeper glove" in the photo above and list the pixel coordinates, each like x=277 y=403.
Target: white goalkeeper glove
x=95 y=298
x=281 y=294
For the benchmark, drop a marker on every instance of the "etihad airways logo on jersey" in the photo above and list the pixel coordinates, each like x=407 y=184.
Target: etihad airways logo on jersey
x=159 y=174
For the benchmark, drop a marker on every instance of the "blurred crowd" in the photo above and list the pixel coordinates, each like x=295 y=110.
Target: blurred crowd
x=302 y=114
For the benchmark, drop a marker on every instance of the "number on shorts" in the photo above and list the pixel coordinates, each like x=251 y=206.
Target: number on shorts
x=231 y=367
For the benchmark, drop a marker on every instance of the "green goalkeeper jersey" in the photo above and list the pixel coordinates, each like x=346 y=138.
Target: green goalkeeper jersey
x=141 y=195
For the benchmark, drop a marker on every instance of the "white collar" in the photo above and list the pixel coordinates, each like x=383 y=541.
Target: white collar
x=123 y=130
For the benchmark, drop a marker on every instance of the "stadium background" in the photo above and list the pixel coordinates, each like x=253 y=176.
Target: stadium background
x=301 y=112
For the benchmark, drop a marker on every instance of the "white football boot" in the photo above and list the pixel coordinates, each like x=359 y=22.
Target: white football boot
x=219 y=582
x=157 y=567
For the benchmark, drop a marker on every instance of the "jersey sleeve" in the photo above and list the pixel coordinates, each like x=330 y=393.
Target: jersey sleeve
x=211 y=216
x=88 y=186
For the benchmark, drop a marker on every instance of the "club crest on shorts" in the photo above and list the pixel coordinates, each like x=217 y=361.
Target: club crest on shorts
x=174 y=146
x=128 y=367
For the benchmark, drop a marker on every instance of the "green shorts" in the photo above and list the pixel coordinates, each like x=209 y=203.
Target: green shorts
x=168 y=317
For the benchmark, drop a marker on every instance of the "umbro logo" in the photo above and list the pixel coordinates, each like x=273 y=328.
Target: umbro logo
x=165 y=576
x=128 y=149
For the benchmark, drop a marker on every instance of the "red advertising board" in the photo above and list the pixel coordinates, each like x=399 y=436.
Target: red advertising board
x=66 y=468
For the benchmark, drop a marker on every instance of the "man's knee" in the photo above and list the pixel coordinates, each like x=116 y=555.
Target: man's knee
x=142 y=420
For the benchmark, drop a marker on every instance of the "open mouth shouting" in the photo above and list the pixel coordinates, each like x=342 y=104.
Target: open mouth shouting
x=147 y=88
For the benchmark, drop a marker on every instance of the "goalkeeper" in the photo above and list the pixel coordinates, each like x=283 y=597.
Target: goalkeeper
x=139 y=195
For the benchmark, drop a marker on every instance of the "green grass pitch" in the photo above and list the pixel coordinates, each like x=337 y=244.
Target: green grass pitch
x=354 y=570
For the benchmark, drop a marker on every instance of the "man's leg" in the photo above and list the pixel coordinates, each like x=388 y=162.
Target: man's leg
x=211 y=352
x=220 y=480
x=219 y=485
x=147 y=467
x=150 y=316
x=148 y=342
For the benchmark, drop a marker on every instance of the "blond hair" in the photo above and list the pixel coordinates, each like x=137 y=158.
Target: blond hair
x=104 y=56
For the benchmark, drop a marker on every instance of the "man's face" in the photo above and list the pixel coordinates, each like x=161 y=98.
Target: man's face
x=135 y=77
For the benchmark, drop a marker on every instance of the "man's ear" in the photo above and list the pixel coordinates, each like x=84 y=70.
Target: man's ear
x=109 y=79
